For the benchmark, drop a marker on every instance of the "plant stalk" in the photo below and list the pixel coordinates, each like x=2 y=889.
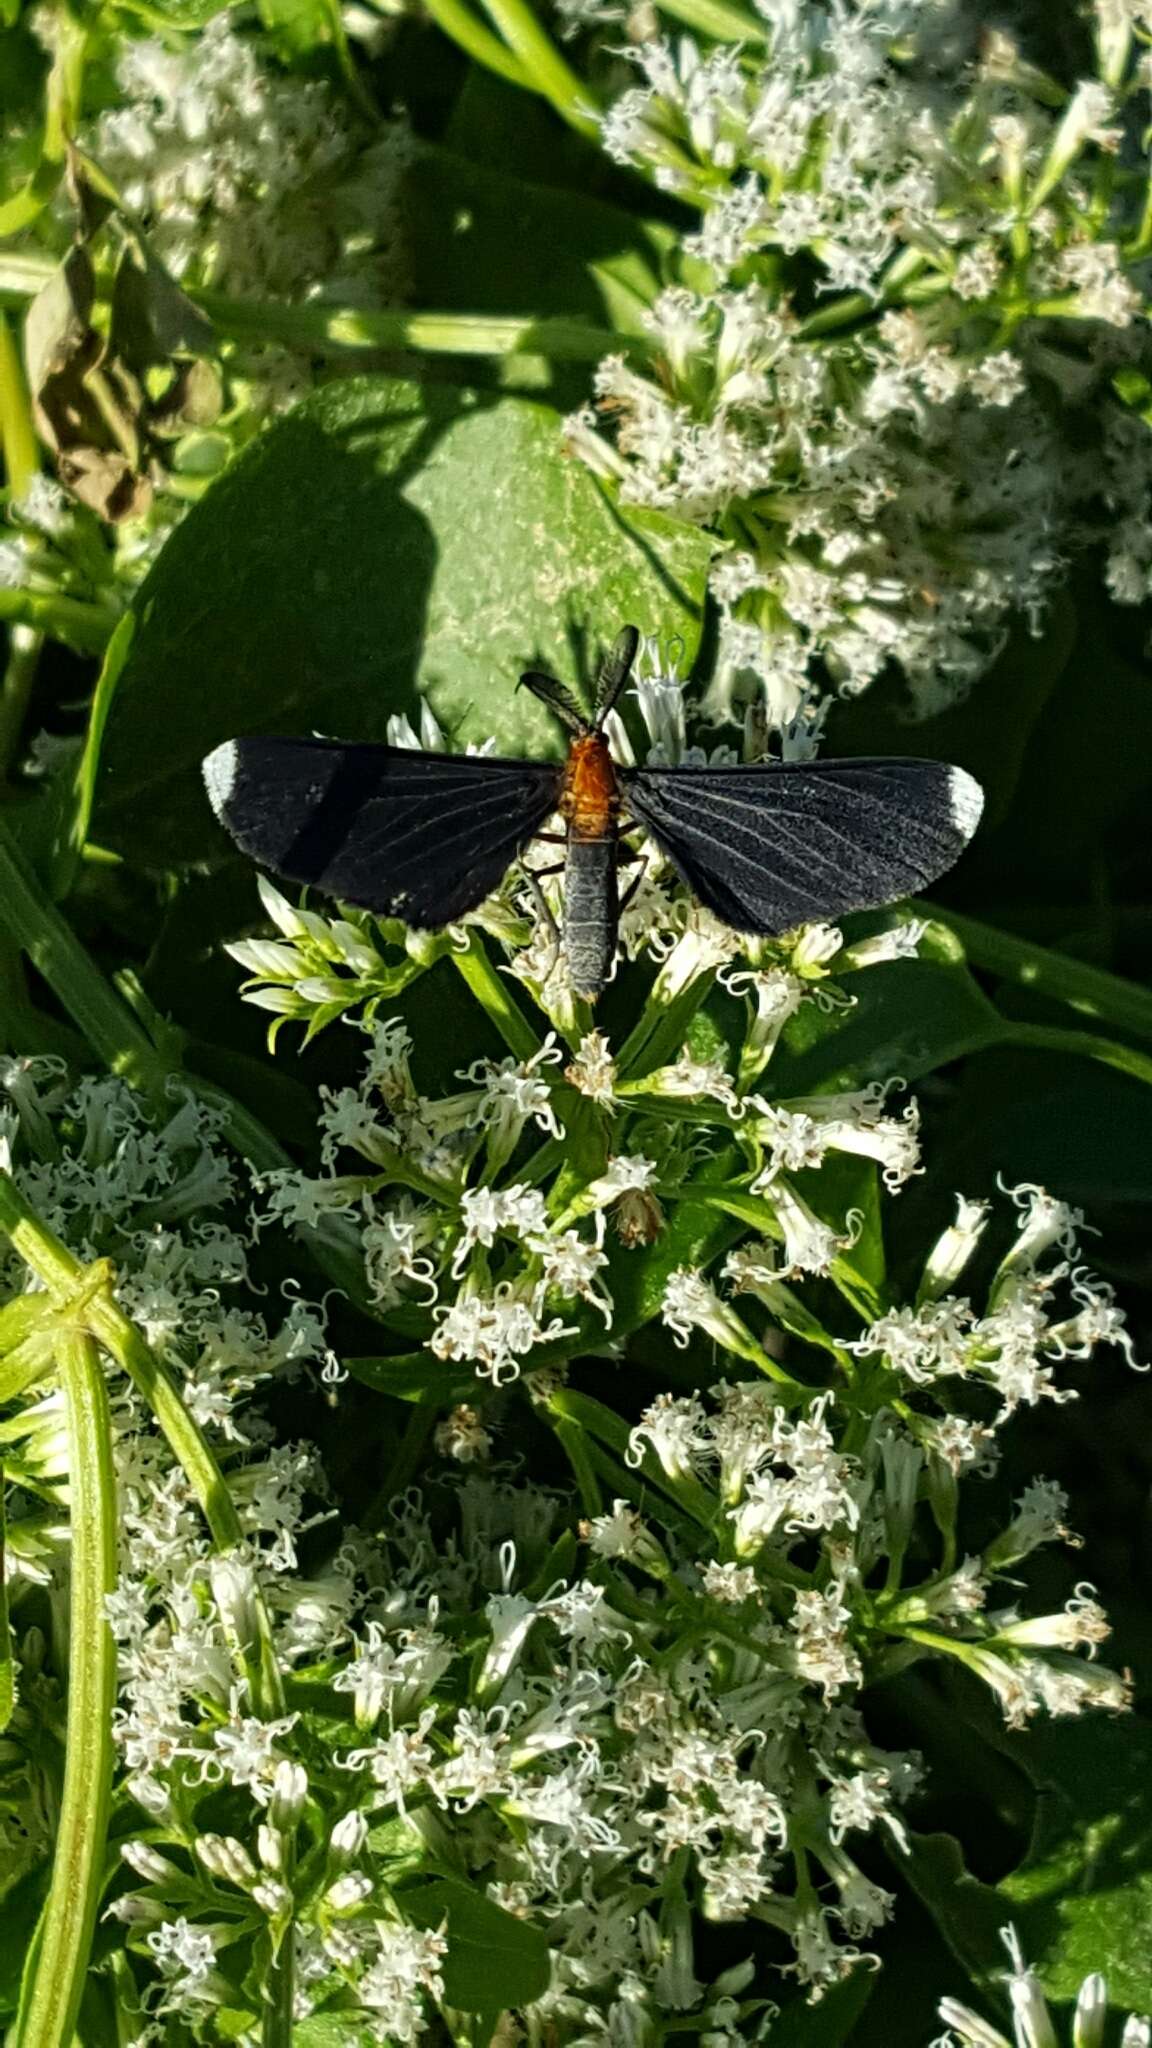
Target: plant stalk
x=58 y=1958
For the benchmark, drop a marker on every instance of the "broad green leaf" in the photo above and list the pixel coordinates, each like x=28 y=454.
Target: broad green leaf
x=828 y=2023
x=969 y=1914
x=909 y=1018
x=1082 y=1898
x=494 y=1961
x=333 y=2030
x=411 y=1376
x=298 y=26
x=7 y=1659
x=493 y=243
x=382 y=535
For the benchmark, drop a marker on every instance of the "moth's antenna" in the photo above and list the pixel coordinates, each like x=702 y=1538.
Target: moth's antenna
x=556 y=697
x=615 y=672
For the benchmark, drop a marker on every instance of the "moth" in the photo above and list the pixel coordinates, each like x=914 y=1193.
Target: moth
x=426 y=837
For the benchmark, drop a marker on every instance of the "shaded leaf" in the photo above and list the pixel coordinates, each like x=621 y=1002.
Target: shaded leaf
x=7 y=1658
x=494 y=1960
x=801 y=2024
x=412 y=1376
x=380 y=533
x=910 y=1017
x=151 y=318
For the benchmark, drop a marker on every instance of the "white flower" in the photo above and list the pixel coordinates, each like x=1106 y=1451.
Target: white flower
x=592 y=1069
x=675 y=1429
x=403 y=1971
x=186 y=1958
x=495 y=1331
x=1032 y=2024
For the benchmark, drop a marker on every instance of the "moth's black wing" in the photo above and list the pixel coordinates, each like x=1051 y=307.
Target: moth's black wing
x=420 y=836
x=767 y=848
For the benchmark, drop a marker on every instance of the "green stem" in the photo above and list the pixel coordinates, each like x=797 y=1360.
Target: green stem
x=87 y=627
x=1083 y=1045
x=66 y=1280
x=24 y=650
x=494 y=996
x=38 y=928
x=459 y=22
x=58 y=1958
x=1091 y=990
x=17 y=434
x=717 y=19
x=570 y=1437
x=405 y=1461
x=854 y=306
x=318 y=328
x=547 y=71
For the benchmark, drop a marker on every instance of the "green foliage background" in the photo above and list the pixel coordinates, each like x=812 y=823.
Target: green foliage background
x=408 y=531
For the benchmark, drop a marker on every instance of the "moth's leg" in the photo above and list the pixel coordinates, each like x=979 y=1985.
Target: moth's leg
x=634 y=884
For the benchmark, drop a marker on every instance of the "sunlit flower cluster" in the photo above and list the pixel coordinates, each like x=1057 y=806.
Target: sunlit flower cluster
x=251 y=180
x=915 y=261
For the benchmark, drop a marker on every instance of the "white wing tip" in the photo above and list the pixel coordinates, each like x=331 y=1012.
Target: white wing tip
x=219 y=771
x=966 y=799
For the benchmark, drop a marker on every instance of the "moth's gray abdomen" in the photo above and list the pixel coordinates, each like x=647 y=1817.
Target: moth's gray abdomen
x=591 y=911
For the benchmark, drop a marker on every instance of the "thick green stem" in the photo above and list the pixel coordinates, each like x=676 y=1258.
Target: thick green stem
x=459 y=22
x=493 y=994
x=547 y=71
x=58 y=1958
x=38 y=928
x=17 y=434
x=87 y=627
x=717 y=19
x=1107 y=998
x=24 y=649
x=1082 y=1045
x=320 y=329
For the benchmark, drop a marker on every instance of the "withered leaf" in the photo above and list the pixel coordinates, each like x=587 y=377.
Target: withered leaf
x=194 y=398
x=60 y=347
x=152 y=319
x=105 y=480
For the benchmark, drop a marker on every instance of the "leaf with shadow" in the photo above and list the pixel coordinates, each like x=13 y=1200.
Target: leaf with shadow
x=381 y=542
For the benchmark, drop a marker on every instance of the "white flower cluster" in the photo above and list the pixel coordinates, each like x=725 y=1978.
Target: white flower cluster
x=667 y=1711
x=250 y=180
x=888 y=473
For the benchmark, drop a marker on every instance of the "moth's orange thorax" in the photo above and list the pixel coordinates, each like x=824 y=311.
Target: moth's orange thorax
x=590 y=795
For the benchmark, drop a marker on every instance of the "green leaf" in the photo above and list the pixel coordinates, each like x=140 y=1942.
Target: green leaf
x=498 y=244
x=333 y=2030
x=910 y=1017
x=804 y=2025
x=411 y=1376
x=7 y=1660
x=382 y=534
x=494 y=1961
x=969 y=1914
x=1082 y=1898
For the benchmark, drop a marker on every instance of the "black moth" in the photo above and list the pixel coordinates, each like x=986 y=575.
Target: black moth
x=426 y=837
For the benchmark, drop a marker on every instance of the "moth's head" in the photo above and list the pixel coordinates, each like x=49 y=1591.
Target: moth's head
x=614 y=673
